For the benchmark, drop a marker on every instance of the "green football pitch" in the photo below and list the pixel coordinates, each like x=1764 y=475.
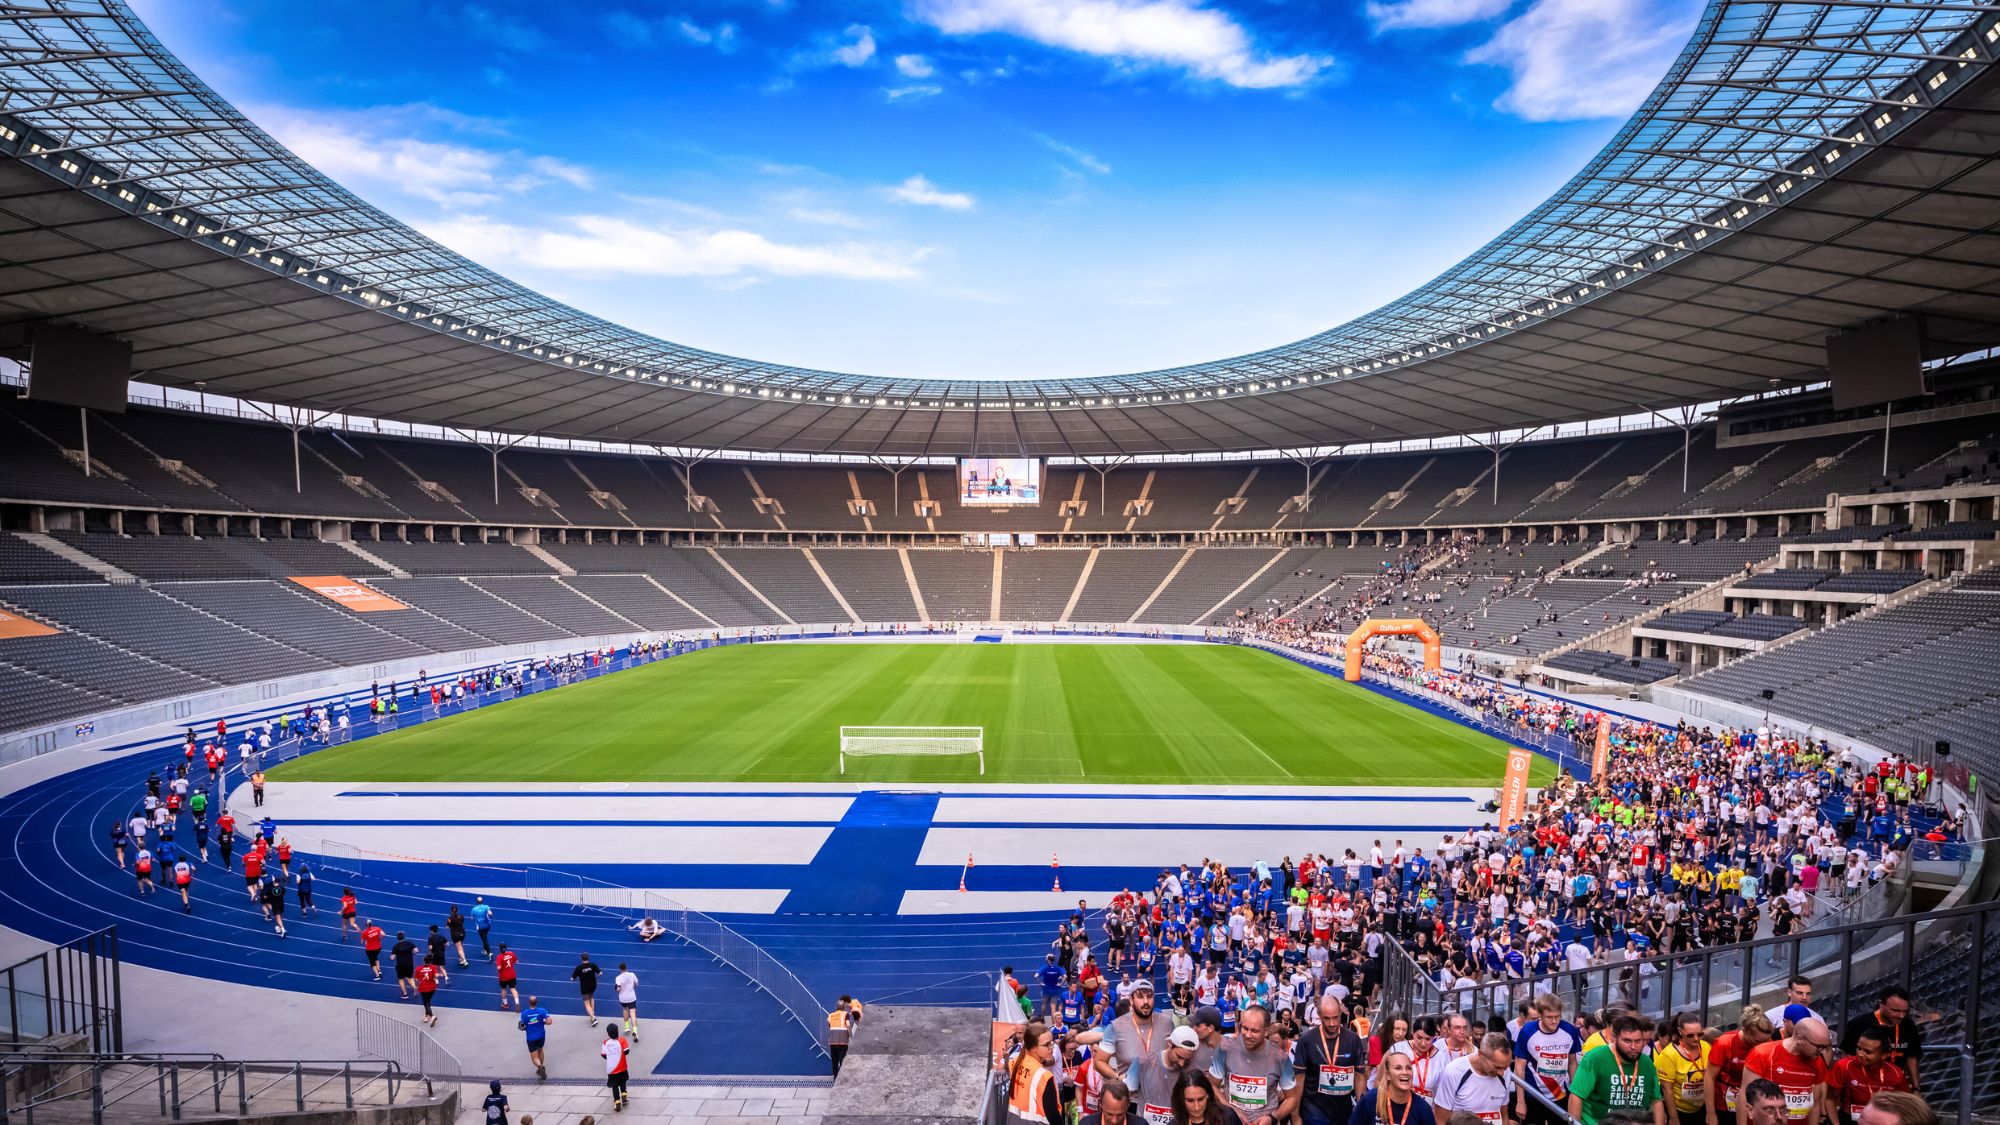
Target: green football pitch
x=1138 y=713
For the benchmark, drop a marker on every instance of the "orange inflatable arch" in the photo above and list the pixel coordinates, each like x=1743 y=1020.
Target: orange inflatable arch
x=1392 y=627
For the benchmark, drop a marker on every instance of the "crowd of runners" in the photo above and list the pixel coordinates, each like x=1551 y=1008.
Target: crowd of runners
x=180 y=830
x=1218 y=996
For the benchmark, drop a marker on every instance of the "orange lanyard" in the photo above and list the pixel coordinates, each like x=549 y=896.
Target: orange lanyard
x=1145 y=1037
x=1390 y=1114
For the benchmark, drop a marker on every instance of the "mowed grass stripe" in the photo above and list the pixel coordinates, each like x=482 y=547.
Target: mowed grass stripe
x=1144 y=714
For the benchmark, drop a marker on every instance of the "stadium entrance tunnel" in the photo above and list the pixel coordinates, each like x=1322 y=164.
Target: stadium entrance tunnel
x=1392 y=627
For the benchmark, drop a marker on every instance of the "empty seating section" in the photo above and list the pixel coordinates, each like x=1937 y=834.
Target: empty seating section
x=165 y=630
x=421 y=559
x=303 y=620
x=550 y=600
x=33 y=438
x=873 y=582
x=1611 y=666
x=1898 y=673
x=1689 y=620
x=1702 y=561
x=1207 y=578
x=97 y=667
x=1956 y=529
x=1749 y=626
x=1035 y=585
x=1786 y=578
x=637 y=599
x=27 y=699
x=694 y=574
x=1871 y=581
x=22 y=561
x=464 y=604
x=426 y=630
x=784 y=575
x=957 y=585
x=1759 y=627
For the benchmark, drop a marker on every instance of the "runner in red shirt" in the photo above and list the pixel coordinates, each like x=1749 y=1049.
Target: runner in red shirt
x=225 y=835
x=1725 y=1063
x=1855 y=1080
x=253 y=870
x=504 y=962
x=427 y=984
x=1795 y=1064
x=371 y=944
x=347 y=906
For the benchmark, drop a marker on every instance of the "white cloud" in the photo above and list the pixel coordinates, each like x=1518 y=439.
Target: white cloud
x=912 y=93
x=1578 y=59
x=919 y=191
x=1082 y=159
x=1179 y=33
x=602 y=245
x=1391 y=14
x=827 y=217
x=376 y=149
x=722 y=36
x=914 y=66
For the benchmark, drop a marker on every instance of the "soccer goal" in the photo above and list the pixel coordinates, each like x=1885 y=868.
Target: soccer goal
x=925 y=742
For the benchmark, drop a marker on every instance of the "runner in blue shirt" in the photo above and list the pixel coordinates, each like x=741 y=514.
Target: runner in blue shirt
x=1072 y=1003
x=1052 y=982
x=482 y=920
x=535 y=1020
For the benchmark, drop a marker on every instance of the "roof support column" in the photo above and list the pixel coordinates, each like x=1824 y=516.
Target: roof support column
x=1689 y=418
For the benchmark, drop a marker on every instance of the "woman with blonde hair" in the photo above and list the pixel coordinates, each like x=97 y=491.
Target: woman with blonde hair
x=1723 y=1080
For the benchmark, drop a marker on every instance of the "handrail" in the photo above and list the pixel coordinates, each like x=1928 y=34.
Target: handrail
x=692 y=926
x=1836 y=948
x=162 y=1074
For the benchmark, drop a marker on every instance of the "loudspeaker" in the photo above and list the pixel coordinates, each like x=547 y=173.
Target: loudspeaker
x=1942 y=748
x=1767 y=693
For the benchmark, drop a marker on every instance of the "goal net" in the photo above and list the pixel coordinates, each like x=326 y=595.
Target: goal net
x=922 y=742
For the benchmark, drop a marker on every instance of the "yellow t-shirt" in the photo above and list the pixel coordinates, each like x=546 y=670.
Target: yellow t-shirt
x=1680 y=1076
x=1595 y=1041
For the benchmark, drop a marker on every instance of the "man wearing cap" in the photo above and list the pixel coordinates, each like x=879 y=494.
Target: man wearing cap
x=1153 y=1076
x=1133 y=1036
x=1207 y=1024
x=1330 y=1060
x=1254 y=1074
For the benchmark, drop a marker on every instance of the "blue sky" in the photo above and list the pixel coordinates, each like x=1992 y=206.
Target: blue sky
x=947 y=188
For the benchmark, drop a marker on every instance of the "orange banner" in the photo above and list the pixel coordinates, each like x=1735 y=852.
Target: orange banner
x=1514 y=787
x=13 y=625
x=1600 y=761
x=354 y=595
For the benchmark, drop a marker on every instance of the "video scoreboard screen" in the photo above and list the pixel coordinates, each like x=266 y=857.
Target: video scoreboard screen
x=999 y=482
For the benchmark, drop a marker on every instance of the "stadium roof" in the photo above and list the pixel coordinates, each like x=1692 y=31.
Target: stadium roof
x=1802 y=168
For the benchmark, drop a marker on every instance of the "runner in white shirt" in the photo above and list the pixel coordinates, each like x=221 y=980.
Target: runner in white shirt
x=627 y=984
x=1481 y=1083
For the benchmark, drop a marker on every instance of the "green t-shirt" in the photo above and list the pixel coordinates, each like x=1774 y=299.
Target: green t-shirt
x=1606 y=1085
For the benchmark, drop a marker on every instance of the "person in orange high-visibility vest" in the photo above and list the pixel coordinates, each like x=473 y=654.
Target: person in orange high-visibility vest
x=1032 y=1098
x=839 y=1027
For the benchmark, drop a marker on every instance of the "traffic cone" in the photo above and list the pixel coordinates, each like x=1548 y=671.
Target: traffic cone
x=962 y=871
x=1055 y=865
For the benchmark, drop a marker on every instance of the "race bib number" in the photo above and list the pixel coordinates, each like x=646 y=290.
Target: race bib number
x=1552 y=1066
x=1336 y=1080
x=1798 y=1104
x=1492 y=1117
x=1158 y=1115
x=1250 y=1090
